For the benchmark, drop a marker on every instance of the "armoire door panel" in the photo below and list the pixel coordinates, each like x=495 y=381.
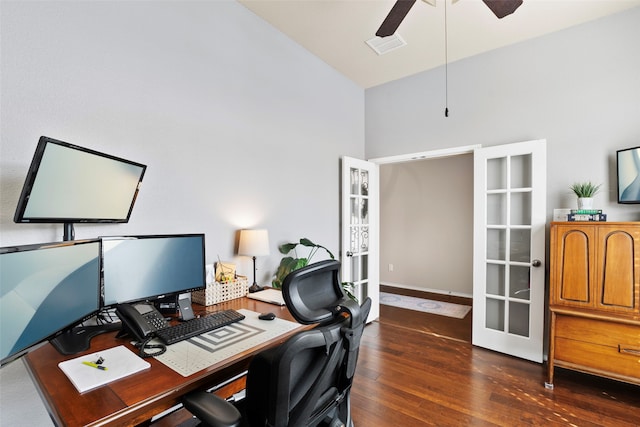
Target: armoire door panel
x=617 y=278
x=575 y=268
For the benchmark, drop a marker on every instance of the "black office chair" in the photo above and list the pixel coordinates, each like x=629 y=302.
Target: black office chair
x=305 y=381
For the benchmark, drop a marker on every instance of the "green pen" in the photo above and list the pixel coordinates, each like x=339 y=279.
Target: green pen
x=95 y=365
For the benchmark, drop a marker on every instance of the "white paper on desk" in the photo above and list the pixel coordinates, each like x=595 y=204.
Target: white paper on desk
x=272 y=296
x=119 y=361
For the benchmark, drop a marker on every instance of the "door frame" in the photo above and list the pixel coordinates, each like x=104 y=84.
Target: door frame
x=424 y=155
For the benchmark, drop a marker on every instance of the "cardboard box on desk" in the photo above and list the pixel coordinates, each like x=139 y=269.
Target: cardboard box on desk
x=218 y=292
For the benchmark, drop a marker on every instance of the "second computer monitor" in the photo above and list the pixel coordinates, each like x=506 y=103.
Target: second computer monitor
x=46 y=289
x=137 y=268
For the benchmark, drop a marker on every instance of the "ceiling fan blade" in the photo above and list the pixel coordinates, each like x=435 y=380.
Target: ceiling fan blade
x=502 y=8
x=395 y=17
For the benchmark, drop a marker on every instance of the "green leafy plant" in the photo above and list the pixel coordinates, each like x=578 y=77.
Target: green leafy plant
x=291 y=263
x=585 y=189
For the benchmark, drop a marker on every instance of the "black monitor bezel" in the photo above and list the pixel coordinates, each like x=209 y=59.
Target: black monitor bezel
x=25 y=194
x=619 y=177
x=72 y=324
x=152 y=298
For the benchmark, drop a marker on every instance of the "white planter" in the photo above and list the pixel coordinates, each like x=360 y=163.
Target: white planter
x=585 y=202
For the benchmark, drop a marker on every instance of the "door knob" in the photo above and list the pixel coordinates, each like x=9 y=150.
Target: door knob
x=536 y=263
x=349 y=253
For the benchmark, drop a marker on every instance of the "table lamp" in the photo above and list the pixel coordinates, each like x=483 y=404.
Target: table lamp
x=254 y=243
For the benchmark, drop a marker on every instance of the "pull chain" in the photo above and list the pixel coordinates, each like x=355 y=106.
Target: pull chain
x=446 y=63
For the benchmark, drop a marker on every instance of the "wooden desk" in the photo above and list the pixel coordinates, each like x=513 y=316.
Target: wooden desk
x=135 y=399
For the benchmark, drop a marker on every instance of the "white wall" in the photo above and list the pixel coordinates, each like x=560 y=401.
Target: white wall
x=239 y=126
x=426 y=225
x=579 y=89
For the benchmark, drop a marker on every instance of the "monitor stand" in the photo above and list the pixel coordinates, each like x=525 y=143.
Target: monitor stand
x=78 y=339
x=68 y=232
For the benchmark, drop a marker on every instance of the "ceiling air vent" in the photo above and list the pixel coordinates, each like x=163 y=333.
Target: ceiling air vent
x=382 y=45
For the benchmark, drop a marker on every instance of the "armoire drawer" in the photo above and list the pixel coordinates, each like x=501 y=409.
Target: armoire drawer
x=598 y=346
x=597 y=358
x=610 y=334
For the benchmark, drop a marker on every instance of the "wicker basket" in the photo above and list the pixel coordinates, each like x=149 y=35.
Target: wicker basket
x=219 y=292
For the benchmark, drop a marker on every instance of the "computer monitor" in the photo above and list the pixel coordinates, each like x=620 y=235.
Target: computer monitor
x=70 y=184
x=146 y=268
x=45 y=290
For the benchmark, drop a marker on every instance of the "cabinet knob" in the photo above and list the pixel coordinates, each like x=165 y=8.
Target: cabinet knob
x=536 y=263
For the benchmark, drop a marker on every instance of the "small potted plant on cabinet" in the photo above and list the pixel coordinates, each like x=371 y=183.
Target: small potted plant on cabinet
x=585 y=192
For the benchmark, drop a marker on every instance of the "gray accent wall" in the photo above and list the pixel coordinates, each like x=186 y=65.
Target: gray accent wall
x=579 y=89
x=240 y=127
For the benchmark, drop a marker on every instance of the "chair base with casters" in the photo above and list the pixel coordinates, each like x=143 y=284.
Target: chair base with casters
x=306 y=381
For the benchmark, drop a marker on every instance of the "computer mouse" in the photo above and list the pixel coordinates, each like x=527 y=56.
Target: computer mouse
x=267 y=316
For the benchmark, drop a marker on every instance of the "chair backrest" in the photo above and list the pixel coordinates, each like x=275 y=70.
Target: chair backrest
x=308 y=378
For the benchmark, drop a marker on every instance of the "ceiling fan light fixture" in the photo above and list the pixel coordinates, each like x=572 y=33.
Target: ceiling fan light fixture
x=395 y=17
x=382 y=45
x=502 y=8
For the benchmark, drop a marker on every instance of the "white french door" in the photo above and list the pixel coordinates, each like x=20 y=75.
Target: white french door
x=360 y=226
x=509 y=248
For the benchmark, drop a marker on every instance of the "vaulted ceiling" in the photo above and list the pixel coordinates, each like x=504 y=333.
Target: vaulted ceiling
x=336 y=30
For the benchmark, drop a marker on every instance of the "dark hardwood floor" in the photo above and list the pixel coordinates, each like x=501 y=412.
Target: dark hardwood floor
x=425 y=322
x=417 y=369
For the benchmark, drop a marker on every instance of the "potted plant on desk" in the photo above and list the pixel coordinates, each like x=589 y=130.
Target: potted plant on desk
x=289 y=263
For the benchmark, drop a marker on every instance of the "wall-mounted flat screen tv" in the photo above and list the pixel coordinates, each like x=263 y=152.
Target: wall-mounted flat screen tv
x=628 y=165
x=71 y=184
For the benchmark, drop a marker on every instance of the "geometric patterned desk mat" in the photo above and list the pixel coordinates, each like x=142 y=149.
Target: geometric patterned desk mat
x=192 y=355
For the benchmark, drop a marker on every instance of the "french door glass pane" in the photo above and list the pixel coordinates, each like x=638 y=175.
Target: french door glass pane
x=521 y=171
x=496 y=209
x=496 y=174
x=495 y=279
x=496 y=244
x=364 y=270
x=355 y=181
x=364 y=211
x=495 y=314
x=355 y=211
x=519 y=282
x=355 y=269
x=521 y=208
x=364 y=183
x=354 y=239
x=519 y=318
x=520 y=250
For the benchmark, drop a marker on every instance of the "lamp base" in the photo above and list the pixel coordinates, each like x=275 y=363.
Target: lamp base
x=255 y=288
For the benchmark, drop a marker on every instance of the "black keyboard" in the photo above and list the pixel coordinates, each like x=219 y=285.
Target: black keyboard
x=199 y=325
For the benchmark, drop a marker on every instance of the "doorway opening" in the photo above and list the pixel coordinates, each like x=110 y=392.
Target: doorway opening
x=426 y=236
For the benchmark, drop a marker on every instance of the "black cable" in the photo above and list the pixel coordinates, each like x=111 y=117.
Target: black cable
x=145 y=345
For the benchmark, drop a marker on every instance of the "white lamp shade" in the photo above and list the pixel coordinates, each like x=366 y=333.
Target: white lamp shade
x=253 y=243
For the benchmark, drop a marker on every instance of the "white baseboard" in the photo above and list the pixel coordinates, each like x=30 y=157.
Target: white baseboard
x=423 y=289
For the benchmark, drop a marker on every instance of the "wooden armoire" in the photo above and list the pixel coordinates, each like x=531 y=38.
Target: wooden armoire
x=594 y=299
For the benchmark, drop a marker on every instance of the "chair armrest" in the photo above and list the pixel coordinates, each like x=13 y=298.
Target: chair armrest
x=211 y=409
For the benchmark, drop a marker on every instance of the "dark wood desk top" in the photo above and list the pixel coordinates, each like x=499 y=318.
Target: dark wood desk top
x=137 y=398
